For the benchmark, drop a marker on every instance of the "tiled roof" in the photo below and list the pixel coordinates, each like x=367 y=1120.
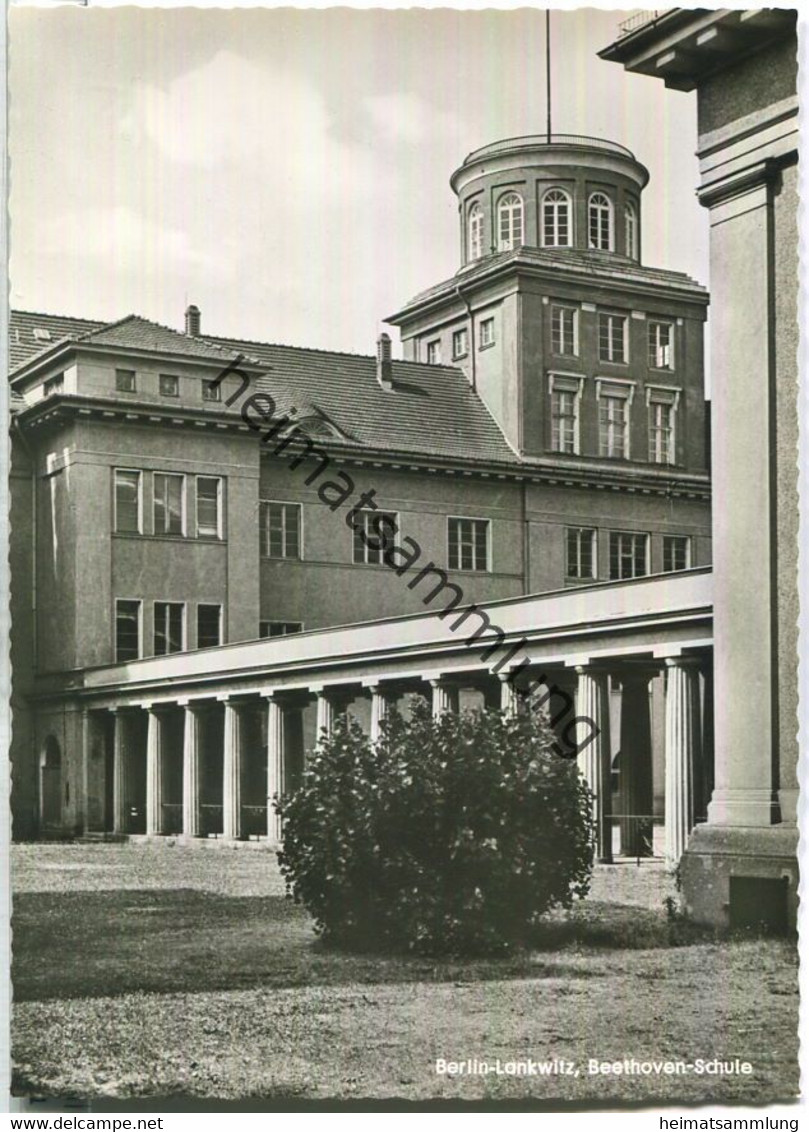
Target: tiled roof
x=432 y=410
x=23 y=343
x=598 y=266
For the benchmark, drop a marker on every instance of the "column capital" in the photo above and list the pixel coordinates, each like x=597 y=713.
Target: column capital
x=679 y=661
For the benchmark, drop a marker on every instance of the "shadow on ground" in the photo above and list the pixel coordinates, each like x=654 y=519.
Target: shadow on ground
x=112 y=942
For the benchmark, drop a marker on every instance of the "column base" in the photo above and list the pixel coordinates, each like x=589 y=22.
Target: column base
x=742 y=876
x=743 y=807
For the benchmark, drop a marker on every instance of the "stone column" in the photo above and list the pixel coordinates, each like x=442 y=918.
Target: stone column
x=84 y=801
x=154 y=773
x=635 y=780
x=380 y=706
x=325 y=714
x=509 y=697
x=232 y=774
x=445 y=697
x=682 y=753
x=276 y=765
x=191 y=769
x=593 y=746
x=120 y=775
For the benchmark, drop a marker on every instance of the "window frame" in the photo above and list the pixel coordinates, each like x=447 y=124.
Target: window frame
x=365 y=548
x=220 y=494
x=433 y=344
x=183 y=630
x=274 y=636
x=608 y=208
x=615 y=389
x=630 y=230
x=556 y=205
x=172 y=377
x=474 y=232
x=212 y=390
x=686 y=540
x=459 y=569
x=210 y=605
x=578 y=577
x=612 y=361
x=119 y=373
x=132 y=472
x=461 y=334
x=139 y=603
x=565 y=308
x=53 y=384
x=486 y=343
x=633 y=535
x=265 y=553
x=511 y=213
x=183 y=533
x=569 y=383
x=653 y=348
x=668 y=396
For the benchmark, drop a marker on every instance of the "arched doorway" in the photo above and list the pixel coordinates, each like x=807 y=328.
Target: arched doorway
x=50 y=784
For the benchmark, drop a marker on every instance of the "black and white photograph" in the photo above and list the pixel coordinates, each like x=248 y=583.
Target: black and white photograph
x=402 y=593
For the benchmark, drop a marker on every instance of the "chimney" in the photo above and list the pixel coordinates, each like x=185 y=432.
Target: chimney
x=193 y=321
x=384 y=366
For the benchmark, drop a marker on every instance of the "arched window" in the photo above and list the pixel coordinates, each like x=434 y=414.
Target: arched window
x=509 y=222
x=600 y=222
x=475 y=232
x=631 y=231
x=556 y=219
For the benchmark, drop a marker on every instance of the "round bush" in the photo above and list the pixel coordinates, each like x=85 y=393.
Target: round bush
x=448 y=836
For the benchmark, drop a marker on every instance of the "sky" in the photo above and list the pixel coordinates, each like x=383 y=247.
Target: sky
x=288 y=170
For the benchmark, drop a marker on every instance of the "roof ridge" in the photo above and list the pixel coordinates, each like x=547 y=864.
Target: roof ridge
x=331 y=353
x=61 y=317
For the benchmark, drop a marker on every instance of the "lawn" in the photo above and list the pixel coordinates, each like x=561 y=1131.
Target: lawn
x=148 y=970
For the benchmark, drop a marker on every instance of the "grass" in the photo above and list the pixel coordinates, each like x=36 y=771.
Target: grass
x=144 y=970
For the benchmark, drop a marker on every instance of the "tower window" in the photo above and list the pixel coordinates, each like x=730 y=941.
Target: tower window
x=509 y=222
x=614 y=403
x=631 y=231
x=209 y=626
x=580 y=552
x=169 y=627
x=556 y=219
x=374 y=534
x=280 y=530
x=676 y=553
x=460 y=343
x=209 y=508
x=168 y=504
x=486 y=332
x=468 y=544
x=565 y=393
x=127 y=629
x=564 y=330
x=661 y=345
x=127 y=501
x=475 y=232
x=434 y=352
x=599 y=215
x=629 y=555
x=612 y=338
x=662 y=405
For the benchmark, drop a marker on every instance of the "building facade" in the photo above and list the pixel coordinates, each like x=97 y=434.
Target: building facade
x=743 y=66
x=173 y=490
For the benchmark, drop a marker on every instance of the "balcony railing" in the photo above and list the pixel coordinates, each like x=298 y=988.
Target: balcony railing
x=637 y=20
x=543 y=139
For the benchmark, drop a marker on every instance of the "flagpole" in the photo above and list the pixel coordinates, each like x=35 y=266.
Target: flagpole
x=548 y=67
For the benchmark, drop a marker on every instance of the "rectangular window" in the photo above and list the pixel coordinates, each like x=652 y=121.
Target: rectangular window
x=468 y=541
x=612 y=338
x=564 y=330
x=54 y=384
x=209 y=507
x=581 y=552
x=613 y=421
x=169 y=504
x=434 y=352
x=629 y=555
x=125 y=381
x=127 y=501
x=127 y=630
x=661 y=432
x=486 y=332
x=211 y=390
x=564 y=413
x=676 y=552
x=280 y=530
x=661 y=345
x=169 y=628
x=460 y=343
x=209 y=626
x=169 y=385
x=279 y=628
x=374 y=533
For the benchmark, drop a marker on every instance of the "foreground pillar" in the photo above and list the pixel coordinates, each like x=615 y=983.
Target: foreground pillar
x=445 y=697
x=120 y=775
x=232 y=774
x=154 y=773
x=593 y=746
x=380 y=707
x=509 y=697
x=682 y=753
x=191 y=771
x=276 y=765
x=325 y=714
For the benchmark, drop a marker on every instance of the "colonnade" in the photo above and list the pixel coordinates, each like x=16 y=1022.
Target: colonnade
x=210 y=766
